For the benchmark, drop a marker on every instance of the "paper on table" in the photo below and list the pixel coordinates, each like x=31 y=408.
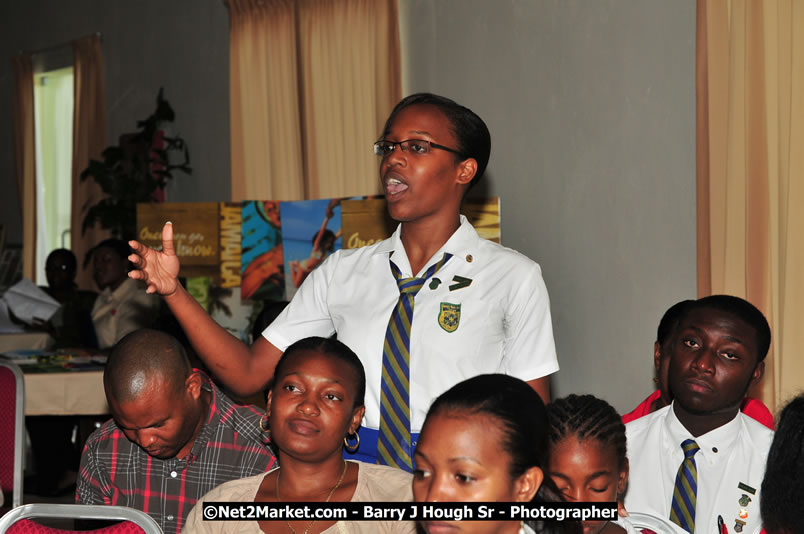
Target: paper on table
x=7 y=326
x=27 y=301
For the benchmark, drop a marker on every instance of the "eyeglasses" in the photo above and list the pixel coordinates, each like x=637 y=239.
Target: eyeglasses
x=417 y=147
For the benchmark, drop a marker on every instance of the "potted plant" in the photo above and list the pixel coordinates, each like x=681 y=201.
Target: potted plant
x=136 y=170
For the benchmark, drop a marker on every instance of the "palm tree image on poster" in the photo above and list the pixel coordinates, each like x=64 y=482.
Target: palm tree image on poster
x=311 y=232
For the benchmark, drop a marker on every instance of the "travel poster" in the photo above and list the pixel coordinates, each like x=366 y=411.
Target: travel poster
x=261 y=256
x=311 y=232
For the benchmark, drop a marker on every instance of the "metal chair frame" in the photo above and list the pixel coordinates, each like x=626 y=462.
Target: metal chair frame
x=19 y=432
x=80 y=511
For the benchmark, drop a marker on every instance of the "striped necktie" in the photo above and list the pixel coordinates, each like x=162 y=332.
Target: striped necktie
x=393 y=443
x=682 y=510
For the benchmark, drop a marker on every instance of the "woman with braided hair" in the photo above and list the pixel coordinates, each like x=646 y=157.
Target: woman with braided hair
x=587 y=455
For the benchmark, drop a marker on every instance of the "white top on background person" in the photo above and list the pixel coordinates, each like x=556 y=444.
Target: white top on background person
x=122 y=306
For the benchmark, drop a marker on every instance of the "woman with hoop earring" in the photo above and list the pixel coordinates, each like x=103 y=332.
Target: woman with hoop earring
x=314 y=409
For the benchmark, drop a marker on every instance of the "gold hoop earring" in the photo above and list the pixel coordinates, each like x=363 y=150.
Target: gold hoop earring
x=352 y=448
x=265 y=428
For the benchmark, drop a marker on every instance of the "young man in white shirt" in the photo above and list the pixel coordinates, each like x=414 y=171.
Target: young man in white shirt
x=710 y=457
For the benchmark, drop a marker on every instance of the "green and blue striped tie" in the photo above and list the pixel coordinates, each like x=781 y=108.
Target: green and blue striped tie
x=393 y=443
x=682 y=510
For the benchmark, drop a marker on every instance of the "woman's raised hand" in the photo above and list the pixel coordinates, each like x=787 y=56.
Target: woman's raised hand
x=158 y=269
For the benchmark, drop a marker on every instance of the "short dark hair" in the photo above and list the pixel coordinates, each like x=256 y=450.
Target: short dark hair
x=326 y=234
x=67 y=256
x=743 y=310
x=117 y=245
x=587 y=417
x=154 y=353
x=782 y=489
x=514 y=404
x=330 y=347
x=472 y=134
x=669 y=321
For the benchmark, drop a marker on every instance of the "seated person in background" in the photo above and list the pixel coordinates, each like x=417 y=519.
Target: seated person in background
x=173 y=437
x=71 y=326
x=55 y=455
x=783 y=487
x=753 y=408
x=587 y=455
x=700 y=461
x=485 y=439
x=123 y=305
x=314 y=409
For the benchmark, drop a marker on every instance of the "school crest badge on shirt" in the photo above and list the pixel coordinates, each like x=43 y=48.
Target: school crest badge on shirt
x=747 y=496
x=449 y=316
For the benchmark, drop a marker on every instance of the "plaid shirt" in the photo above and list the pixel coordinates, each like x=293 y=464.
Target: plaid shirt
x=117 y=471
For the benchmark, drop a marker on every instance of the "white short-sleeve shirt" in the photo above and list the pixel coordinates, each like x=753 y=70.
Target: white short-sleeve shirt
x=120 y=312
x=504 y=324
x=730 y=464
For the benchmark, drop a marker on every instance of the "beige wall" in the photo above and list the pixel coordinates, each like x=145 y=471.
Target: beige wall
x=591 y=106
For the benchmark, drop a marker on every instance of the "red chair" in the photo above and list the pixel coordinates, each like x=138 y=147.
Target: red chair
x=131 y=521
x=12 y=434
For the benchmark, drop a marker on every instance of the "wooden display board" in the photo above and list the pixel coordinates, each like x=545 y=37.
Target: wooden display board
x=196 y=233
x=367 y=221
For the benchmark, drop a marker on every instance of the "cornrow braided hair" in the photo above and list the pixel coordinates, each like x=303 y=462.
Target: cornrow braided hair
x=586 y=416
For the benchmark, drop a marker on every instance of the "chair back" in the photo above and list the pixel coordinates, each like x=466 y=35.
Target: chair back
x=19 y=520
x=12 y=435
x=29 y=526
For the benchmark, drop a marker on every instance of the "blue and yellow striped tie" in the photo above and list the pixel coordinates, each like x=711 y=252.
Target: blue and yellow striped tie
x=682 y=510
x=393 y=443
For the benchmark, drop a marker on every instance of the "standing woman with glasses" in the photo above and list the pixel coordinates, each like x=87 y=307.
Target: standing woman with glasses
x=478 y=307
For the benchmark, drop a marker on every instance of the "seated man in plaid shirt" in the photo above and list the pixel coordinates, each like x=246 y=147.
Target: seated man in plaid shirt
x=173 y=437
